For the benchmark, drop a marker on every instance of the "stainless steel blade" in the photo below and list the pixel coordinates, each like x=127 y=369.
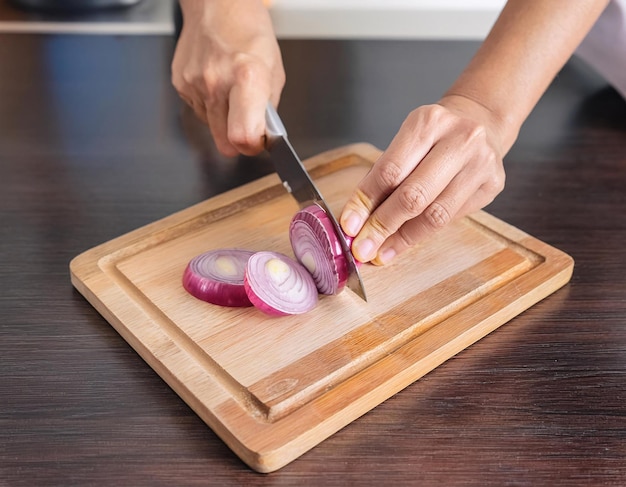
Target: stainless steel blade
x=297 y=181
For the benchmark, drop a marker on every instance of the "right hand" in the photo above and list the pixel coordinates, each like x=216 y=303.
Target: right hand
x=226 y=67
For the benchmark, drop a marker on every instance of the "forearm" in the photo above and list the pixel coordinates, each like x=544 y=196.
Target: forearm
x=221 y=12
x=529 y=43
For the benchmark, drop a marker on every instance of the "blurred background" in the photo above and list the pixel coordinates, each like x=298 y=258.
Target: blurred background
x=347 y=19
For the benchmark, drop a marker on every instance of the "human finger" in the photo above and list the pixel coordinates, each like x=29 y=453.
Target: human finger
x=403 y=155
x=246 y=109
x=216 y=119
x=462 y=196
x=415 y=194
x=415 y=197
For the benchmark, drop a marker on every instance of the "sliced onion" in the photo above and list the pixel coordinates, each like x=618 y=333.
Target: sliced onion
x=316 y=246
x=217 y=276
x=278 y=285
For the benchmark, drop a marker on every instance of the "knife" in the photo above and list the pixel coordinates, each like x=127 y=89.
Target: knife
x=297 y=181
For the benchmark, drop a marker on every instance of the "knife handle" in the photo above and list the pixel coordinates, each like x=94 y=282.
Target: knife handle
x=274 y=125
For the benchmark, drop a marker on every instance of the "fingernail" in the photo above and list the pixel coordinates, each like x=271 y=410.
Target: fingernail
x=351 y=223
x=362 y=250
x=386 y=256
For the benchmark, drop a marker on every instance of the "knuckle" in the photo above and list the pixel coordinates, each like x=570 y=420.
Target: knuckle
x=437 y=216
x=412 y=198
x=247 y=71
x=434 y=113
x=183 y=82
x=209 y=84
x=390 y=174
x=188 y=77
x=424 y=116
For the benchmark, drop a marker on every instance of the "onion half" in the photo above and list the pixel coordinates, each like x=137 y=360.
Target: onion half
x=316 y=246
x=217 y=276
x=278 y=285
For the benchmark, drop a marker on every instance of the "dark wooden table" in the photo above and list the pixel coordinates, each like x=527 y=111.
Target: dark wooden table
x=95 y=143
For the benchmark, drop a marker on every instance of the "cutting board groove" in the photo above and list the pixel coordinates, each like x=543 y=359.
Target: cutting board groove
x=272 y=388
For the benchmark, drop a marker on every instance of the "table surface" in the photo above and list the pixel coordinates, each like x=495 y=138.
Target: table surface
x=95 y=143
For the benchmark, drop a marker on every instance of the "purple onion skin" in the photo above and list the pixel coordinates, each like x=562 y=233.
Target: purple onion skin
x=311 y=231
x=202 y=280
x=274 y=293
x=331 y=267
x=258 y=303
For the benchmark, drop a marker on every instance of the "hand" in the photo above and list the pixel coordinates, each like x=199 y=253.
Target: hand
x=446 y=160
x=227 y=66
x=444 y=163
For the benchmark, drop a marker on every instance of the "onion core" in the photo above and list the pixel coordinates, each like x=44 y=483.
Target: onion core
x=273 y=282
x=278 y=285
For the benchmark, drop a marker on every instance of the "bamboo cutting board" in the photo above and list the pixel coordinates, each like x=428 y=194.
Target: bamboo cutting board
x=272 y=388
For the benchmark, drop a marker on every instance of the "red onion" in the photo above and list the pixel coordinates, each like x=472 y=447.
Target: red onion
x=273 y=282
x=217 y=276
x=316 y=246
x=278 y=285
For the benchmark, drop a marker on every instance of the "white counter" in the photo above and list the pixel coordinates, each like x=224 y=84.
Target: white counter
x=302 y=19
x=384 y=19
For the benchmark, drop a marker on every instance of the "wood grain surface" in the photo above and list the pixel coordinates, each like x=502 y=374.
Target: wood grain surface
x=273 y=388
x=95 y=144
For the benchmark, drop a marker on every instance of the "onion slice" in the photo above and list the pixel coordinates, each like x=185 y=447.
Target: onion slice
x=278 y=285
x=316 y=246
x=217 y=276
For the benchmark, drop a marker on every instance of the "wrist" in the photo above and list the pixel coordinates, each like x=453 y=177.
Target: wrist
x=200 y=6
x=502 y=125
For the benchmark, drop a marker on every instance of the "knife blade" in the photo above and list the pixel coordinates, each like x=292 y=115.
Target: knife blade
x=297 y=181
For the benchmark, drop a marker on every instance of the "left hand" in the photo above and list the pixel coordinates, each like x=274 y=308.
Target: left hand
x=444 y=163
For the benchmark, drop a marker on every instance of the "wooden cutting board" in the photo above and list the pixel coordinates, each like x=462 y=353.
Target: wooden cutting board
x=272 y=388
